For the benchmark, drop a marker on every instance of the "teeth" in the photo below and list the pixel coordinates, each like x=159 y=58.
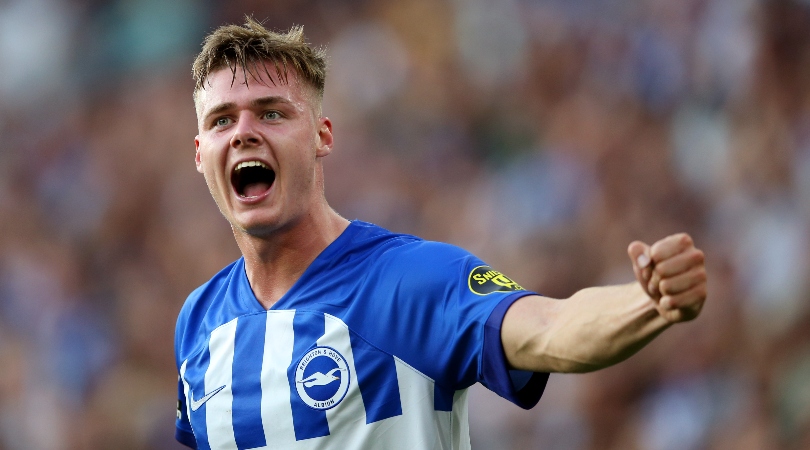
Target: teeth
x=244 y=164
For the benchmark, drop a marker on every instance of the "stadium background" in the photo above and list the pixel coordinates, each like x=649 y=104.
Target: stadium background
x=542 y=135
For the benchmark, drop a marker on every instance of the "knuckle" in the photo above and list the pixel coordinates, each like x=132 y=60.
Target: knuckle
x=667 y=287
x=701 y=276
x=679 y=302
x=655 y=276
x=655 y=251
x=635 y=247
x=682 y=240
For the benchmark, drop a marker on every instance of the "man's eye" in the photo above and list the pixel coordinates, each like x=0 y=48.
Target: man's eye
x=222 y=121
x=272 y=115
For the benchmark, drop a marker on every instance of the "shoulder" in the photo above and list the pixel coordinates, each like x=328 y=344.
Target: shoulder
x=431 y=253
x=441 y=268
x=426 y=267
x=404 y=251
x=374 y=238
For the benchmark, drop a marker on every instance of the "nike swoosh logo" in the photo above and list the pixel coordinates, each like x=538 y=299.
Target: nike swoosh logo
x=195 y=404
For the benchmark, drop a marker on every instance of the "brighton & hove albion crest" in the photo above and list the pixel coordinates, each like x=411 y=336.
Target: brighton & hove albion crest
x=322 y=378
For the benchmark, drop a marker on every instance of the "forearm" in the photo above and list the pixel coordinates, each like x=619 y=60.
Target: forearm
x=595 y=328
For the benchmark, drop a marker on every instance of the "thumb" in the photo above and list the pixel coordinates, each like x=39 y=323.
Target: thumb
x=639 y=253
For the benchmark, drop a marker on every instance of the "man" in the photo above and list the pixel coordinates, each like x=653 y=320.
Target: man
x=336 y=334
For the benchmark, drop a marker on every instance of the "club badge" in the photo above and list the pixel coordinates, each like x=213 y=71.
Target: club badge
x=322 y=378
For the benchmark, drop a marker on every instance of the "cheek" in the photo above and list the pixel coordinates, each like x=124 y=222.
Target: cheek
x=210 y=163
x=210 y=153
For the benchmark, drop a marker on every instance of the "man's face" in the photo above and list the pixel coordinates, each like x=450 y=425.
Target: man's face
x=259 y=148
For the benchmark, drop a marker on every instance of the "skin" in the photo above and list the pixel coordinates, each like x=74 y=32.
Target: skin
x=278 y=123
x=281 y=232
x=598 y=327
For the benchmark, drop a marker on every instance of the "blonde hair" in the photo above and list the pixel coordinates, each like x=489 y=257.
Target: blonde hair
x=250 y=45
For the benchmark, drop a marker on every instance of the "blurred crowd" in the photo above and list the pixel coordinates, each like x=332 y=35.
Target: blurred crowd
x=542 y=135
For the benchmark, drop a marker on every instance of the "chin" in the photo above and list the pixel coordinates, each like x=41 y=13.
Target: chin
x=255 y=226
x=256 y=229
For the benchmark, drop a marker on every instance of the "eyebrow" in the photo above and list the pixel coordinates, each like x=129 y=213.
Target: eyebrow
x=261 y=102
x=268 y=101
x=218 y=109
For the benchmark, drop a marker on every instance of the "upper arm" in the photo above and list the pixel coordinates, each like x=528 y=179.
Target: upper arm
x=525 y=326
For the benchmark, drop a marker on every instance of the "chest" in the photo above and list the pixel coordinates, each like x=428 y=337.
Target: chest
x=287 y=375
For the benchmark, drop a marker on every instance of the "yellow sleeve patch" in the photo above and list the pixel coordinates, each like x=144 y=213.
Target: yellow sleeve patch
x=483 y=280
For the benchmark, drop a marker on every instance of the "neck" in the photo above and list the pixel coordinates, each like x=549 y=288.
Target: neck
x=276 y=261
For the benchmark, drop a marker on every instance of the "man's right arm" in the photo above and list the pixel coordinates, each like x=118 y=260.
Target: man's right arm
x=601 y=326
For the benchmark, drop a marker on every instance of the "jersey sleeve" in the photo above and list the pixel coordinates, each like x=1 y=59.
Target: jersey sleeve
x=520 y=387
x=183 y=432
x=456 y=304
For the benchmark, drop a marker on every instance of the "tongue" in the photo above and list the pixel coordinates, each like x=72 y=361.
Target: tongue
x=256 y=189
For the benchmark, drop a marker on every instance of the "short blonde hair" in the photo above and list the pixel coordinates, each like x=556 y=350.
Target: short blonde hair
x=249 y=45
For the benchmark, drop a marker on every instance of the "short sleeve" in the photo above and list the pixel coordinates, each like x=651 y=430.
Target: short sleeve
x=519 y=387
x=452 y=304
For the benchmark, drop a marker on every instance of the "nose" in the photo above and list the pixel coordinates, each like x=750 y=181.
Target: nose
x=244 y=133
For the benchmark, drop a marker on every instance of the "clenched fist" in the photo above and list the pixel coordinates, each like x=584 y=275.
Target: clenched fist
x=673 y=273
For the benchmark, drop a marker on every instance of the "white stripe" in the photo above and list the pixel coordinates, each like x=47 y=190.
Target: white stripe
x=419 y=427
x=350 y=414
x=419 y=421
x=219 y=415
x=461 y=422
x=185 y=391
x=278 y=351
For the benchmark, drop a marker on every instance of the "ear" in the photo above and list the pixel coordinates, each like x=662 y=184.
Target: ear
x=325 y=138
x=197 y=159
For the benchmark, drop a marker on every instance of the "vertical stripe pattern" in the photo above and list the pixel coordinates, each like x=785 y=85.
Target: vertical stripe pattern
x=278 y=350
x=218 y=417
x=185 y=389
x=350 y=413
x=194 y=381
x=309 y=423
x=248 y=356
x=387 y=403
x=377 y=379
x=417 y=392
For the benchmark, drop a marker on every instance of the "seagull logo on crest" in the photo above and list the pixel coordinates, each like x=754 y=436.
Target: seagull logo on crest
x=319 y=379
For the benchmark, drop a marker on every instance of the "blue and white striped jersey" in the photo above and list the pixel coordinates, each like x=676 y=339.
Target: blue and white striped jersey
x=373 y=347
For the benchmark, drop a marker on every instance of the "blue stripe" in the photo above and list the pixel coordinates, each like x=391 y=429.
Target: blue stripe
x=309 y=423
x=442 y=398
x=246 y=381
x=196 y=383
x=377 y=378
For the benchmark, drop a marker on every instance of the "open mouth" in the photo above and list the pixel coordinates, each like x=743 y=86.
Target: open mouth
x=252 y=179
